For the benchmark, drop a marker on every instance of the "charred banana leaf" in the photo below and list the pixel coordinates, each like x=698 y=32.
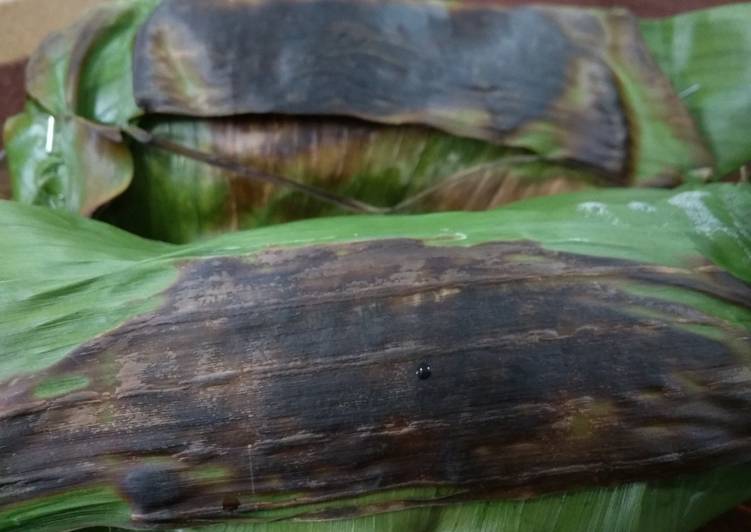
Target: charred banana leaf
x=443 y=365
x=460 y=106
x=542 y=79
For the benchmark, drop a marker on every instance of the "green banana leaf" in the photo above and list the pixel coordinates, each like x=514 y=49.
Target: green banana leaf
x=56 y=157
x=97 y=73
x=703 y=55
x=98 y=328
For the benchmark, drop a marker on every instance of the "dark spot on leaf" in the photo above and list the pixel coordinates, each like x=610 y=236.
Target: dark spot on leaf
x=151 y=487
x=230 y=503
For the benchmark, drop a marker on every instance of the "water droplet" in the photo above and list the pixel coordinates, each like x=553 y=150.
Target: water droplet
x=423 y=371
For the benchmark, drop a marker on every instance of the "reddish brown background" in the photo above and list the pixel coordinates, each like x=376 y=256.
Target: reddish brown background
x=11 y=100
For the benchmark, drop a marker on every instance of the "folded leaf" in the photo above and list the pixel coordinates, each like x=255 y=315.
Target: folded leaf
x=536 y=78
x=180 y=199
x=705 y=54
x=67 y=162
x=77 y=166
x=609 y=84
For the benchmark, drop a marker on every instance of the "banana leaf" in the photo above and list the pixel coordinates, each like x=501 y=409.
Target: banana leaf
x=580 y=362
x=702 y=54
x=612 y=116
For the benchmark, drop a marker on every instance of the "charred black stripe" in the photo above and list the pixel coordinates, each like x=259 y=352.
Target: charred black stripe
x=296 y=371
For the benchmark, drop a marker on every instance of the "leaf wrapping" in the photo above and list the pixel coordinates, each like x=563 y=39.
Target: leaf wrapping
x=605 y=104
x=276 y=368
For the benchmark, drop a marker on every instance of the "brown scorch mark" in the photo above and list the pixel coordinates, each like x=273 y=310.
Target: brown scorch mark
x=294 y=372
